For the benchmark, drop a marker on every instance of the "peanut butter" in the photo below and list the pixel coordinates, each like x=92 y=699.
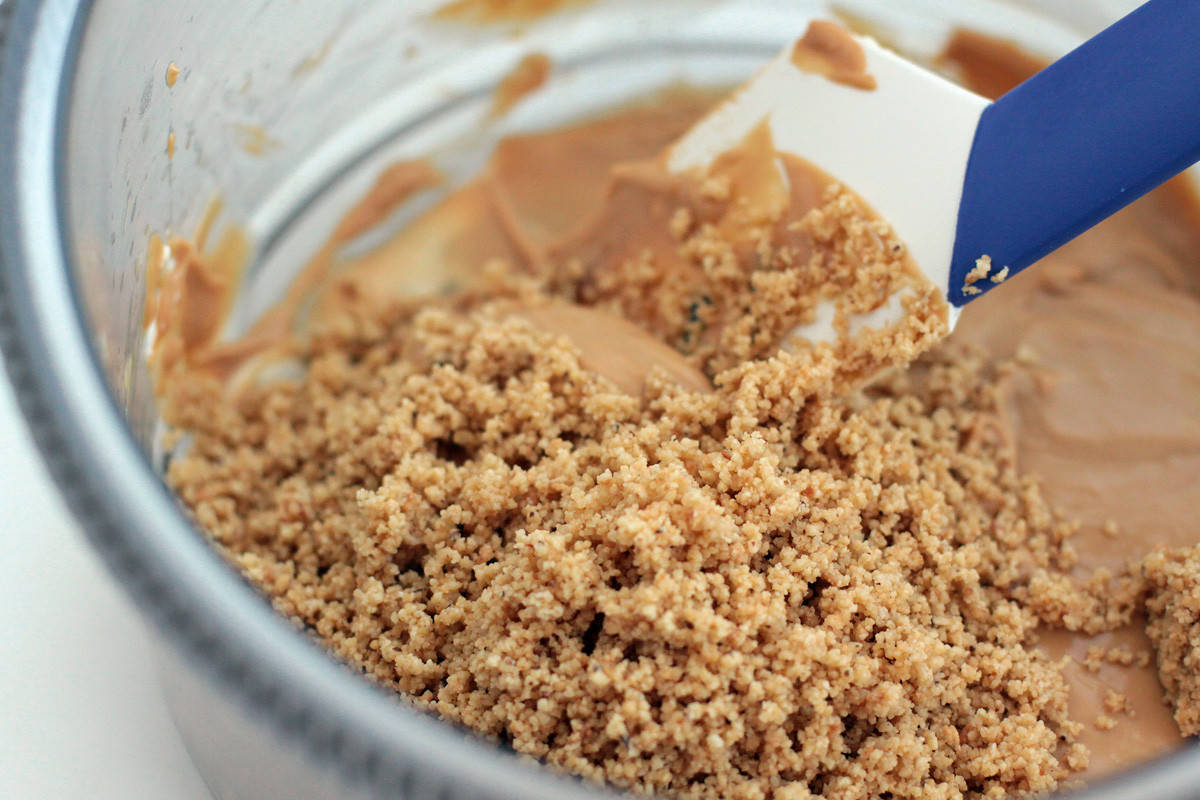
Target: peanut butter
x=828 y=49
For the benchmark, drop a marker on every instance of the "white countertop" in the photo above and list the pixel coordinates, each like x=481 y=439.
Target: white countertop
x=81 y=715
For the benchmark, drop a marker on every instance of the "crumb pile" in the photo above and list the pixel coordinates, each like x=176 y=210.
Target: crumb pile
x=788 y=584
x=753 y=593
x=1173 y=605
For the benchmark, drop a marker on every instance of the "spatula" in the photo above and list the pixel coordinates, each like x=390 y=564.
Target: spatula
x=980 y=189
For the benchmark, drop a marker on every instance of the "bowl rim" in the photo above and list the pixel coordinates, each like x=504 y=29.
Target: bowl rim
x=197 y=600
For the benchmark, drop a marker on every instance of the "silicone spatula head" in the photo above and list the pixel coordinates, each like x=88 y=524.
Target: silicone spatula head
x=979 y=190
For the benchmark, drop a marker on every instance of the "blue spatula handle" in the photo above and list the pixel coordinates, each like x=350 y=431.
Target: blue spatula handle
x=1080 y=140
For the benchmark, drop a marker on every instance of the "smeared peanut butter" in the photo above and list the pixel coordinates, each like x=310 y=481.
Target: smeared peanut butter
x=616 y=348
x=536 y=190
x=530 y=74
x=394 y=187
x=272 y=336
x=829 y=49
x=190 y=290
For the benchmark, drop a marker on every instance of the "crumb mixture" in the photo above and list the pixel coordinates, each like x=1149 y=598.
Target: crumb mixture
x=981 y=270
x=773 y=589
x=1173 y=577
x=750 y=593
x=754 y=573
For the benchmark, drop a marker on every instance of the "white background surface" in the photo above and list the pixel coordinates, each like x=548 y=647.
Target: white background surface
x=81 y=715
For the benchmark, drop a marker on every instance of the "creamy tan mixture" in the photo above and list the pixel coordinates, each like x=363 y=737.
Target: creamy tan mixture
x=727 y=568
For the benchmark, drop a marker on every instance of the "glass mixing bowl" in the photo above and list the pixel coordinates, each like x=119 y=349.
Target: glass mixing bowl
x=286 y=111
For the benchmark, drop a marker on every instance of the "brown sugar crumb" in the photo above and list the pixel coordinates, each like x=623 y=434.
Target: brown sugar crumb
x=983 y=266
x=1104 y=722
x=1101 y=603
x=1173 y=606
x=1116 y=703
x=1097 y=657
x=1077 y=760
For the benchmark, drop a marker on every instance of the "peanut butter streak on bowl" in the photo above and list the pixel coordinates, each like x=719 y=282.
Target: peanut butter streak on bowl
x=529 y=75
x=189 y=294
x=493 y=11
x=275 y=333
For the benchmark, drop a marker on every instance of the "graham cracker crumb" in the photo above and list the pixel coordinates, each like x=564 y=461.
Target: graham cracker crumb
x=1173 y=606
x=1116 y=703
x=983 y=265
x=1077 y=759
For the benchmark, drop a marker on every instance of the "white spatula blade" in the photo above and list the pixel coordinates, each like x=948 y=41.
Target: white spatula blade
x=903 y=146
